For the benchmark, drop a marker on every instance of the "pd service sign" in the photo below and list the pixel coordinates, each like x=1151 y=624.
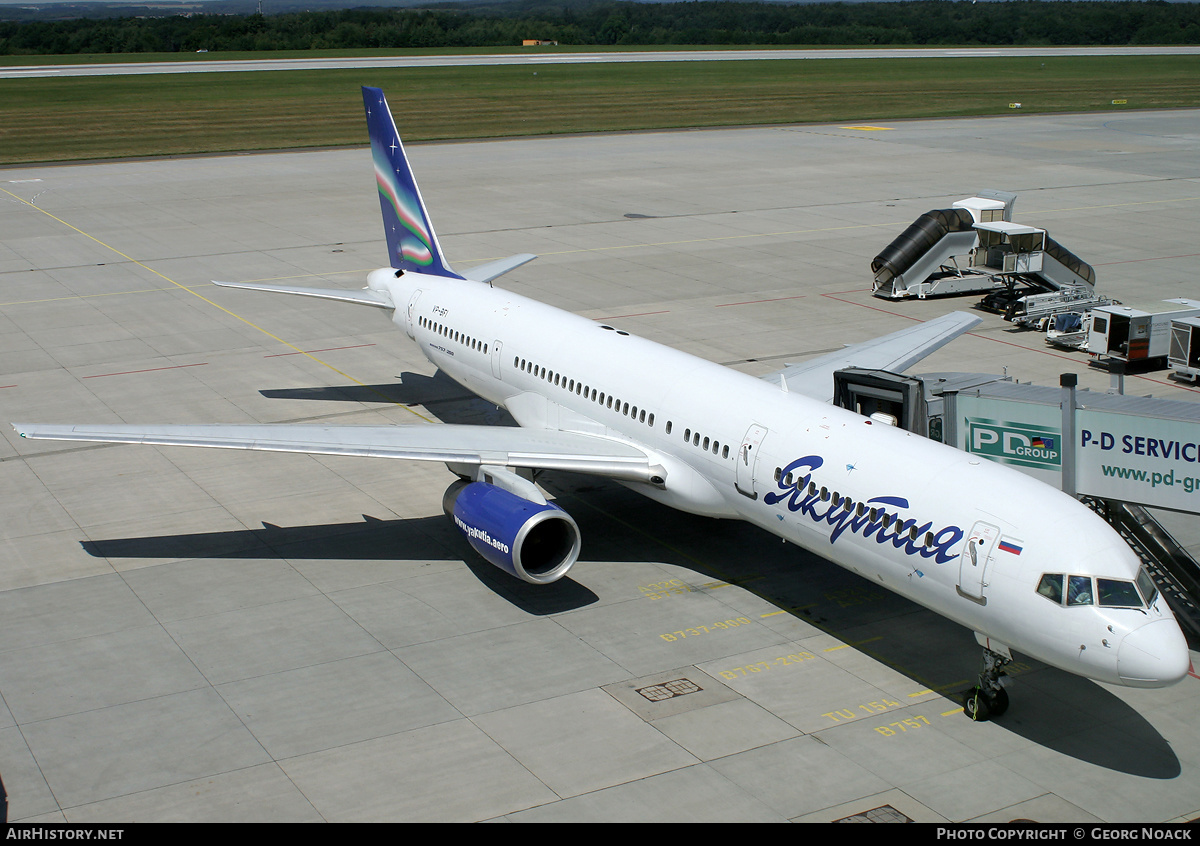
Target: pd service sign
x=1139 y=459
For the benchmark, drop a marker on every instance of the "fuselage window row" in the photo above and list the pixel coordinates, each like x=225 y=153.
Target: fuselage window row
x=608 y=401
x=585 y=391
x=453 y=335
x=707 y=444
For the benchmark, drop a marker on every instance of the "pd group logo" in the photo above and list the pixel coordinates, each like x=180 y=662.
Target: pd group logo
x=1023 y=444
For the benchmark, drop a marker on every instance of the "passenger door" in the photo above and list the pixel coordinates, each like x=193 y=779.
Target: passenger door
x=411 y=315
x=974 y=560
x=496 y=348
x=747 y=460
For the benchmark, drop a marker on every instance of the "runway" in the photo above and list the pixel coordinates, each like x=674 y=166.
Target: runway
x=543 y=56
x=215 y=635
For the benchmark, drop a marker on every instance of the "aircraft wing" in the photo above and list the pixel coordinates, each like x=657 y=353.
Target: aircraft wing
x=474 y=445
x=895 y=352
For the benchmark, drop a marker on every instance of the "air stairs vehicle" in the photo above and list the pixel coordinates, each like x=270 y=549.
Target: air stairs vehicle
x=1039 y=277
x=934 y=256
x=975 y=247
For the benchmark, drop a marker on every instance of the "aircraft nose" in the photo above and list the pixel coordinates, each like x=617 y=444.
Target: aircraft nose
x=1155 y=655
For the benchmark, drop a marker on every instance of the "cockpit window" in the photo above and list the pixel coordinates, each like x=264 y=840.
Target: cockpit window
x=1108 y=593
x=1117 y=594
x=1051 y=587
x=1079 y=590
x=1146 y=585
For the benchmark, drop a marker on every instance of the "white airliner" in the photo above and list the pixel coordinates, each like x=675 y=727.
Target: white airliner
x=1024 y=566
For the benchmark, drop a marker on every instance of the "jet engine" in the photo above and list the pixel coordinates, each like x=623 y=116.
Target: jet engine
x=536 y=542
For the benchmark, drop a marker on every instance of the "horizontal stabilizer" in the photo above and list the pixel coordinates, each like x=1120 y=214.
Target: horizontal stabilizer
x=364 y=296
x=496 y=269
x=499 y=445
x=895 y=352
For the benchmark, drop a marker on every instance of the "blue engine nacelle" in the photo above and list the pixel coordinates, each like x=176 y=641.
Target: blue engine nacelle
x=537 y=543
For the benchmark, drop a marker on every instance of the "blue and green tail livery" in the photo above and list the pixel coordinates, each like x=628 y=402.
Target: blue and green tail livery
x=412 y=243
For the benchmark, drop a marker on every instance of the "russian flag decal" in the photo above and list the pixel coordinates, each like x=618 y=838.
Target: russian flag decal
x=1009 y=546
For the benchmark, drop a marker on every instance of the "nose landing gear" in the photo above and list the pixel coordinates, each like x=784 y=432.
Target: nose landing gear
x=988 y=698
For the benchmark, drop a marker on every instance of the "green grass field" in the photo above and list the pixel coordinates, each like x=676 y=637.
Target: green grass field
x=73 y=118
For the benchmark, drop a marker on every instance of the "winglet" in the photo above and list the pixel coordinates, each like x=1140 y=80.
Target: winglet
x=412 y=243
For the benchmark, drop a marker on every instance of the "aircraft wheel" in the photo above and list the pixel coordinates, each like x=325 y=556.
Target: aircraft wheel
x=999 y=703
x=975 y=705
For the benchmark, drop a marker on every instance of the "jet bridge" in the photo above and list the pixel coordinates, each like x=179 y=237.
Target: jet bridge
x=1119 y=454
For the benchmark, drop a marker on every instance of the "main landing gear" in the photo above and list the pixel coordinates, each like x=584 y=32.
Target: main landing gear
x=988 y=698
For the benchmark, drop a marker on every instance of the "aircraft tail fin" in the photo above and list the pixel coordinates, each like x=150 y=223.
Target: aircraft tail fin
x=412 y=243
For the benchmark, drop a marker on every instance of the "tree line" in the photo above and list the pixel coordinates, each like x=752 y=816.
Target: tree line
x=708 y=22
